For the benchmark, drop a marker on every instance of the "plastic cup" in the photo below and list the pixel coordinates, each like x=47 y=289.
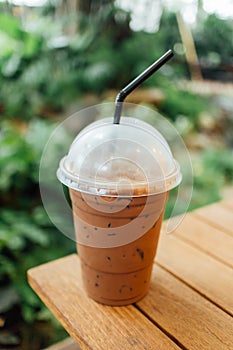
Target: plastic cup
x=119 y=177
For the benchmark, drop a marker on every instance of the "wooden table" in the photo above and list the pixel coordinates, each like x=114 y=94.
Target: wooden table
x=190 y=300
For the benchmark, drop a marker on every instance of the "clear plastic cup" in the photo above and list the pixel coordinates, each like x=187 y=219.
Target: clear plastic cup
x=119 y=177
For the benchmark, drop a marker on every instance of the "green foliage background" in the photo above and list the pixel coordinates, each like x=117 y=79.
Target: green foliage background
x=43 y=72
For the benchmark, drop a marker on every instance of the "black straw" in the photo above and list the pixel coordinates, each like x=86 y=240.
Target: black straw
x=138 y=81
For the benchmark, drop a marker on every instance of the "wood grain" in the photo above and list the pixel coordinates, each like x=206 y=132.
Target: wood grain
x=207 y=238
x=191 y=319
x=92 y=325
x=218 y=216
x=199 y=270
x=190 y=300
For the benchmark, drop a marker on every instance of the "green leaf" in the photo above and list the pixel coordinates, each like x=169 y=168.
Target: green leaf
x=36 y=74
x=32 y=233
x=10 y=25
x=40 y=216
x=44 y=314
x=8 y=45
x=32 y=45
x=16 y=158
x=7 y=268
x=12 y=65
x=16 y=243
x=29 y=313
x=38 y=135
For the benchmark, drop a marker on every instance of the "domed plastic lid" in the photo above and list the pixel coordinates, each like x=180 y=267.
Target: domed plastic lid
x=130 y=158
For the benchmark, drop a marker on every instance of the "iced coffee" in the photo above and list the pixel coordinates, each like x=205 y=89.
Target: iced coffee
x=118 y=275
x=119 y=177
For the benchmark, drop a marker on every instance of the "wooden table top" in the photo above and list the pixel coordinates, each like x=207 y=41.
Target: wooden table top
x=190 y=300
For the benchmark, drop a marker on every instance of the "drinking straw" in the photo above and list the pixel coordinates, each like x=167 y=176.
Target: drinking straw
x=136 y=82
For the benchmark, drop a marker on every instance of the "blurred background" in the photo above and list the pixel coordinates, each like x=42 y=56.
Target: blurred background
x=57 y=57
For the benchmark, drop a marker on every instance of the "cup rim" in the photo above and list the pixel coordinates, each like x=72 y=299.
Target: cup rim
x=107 y=187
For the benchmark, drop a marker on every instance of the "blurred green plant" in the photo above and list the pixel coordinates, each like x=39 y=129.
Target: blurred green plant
x=209 y=36
x=212 y=170
x=183 y=103
x=27 y=236
x=220 y=163
x=24 y=241
x=44 y=70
